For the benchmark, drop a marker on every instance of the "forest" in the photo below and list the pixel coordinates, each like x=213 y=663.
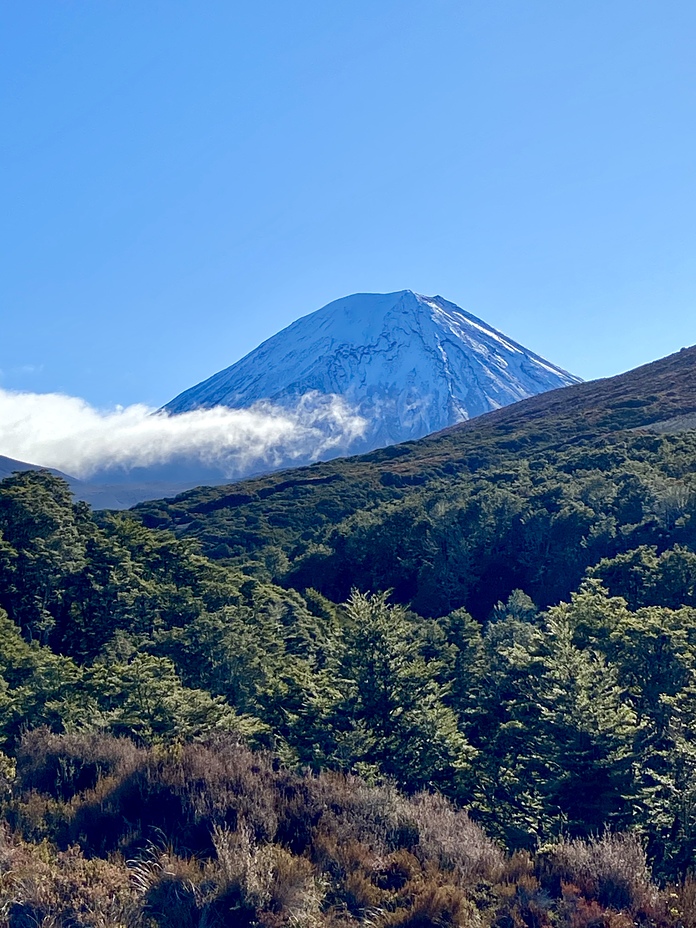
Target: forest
x=448 y=683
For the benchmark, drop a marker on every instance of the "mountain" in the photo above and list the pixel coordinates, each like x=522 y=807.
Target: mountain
x=536 y=665
x=525 y=497
x=409 y=364
x=403 y=364
x=8 y=466
x=101 y=495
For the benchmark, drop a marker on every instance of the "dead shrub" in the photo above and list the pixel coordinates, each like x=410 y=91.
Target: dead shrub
x=245 y=868
x=397 y=870
x=349 y=868
x=520 y=901
x=385 y=820
x=448 y=836
x=576 y=911
x=41 y=887
x=519 y=865
x=298 y=811
x=34 y=815
x=443 y=906
x=294 y=890
x=62 y=766
x=611 y=869
x=181 y=791
x=172 y=888
x=373 y=815
x=253 y=880
x=220 y=782
x=681 y=902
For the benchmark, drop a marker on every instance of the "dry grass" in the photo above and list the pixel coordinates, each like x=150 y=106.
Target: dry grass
x=39 y=886
x=448 y=836
x=611 y=869
x=216 y=835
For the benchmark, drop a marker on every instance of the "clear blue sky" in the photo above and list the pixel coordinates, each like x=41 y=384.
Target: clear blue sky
x=181 y=179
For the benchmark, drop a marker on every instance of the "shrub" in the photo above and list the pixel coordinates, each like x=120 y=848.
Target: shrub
x=41 y=887
x=182 y=791
x=681 y=900
x=63 y=765
x=611 y=869
x=436 y=907
x=172 y=888
x=373 y=815
x=448 y=836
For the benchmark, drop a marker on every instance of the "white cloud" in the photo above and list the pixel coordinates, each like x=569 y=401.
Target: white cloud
x=67 y=433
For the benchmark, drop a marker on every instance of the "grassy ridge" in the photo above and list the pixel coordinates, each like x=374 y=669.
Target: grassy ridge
x=650 y=394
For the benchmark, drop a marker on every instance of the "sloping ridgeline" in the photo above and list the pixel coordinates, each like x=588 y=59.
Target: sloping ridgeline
x=526 y=497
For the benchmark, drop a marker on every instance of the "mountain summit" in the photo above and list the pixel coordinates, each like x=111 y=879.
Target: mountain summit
x=409 y=364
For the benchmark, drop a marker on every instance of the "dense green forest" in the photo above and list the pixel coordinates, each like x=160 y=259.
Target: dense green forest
x=448 y=683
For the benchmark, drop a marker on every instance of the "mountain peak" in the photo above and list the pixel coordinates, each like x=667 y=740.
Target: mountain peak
x=409 y=363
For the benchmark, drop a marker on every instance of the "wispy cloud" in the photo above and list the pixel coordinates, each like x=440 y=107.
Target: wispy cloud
x=23 y=370
x=68 y=433
x=28 y=369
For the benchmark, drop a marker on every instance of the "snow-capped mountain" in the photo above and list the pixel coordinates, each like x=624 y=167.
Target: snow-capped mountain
x=409 y=364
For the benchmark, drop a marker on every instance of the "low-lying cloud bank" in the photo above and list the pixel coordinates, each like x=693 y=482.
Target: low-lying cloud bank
x=66 y=433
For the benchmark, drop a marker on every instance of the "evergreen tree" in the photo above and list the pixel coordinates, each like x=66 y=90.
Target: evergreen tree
x=503 y=722
x=41 y=549
x=587 y=735
x=393 y=703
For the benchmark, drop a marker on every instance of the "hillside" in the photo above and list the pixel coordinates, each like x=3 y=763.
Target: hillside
x=99 y=496
x=625 y=432
x=10 y=465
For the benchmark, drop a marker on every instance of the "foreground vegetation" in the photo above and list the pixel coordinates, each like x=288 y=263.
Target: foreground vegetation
x=449 y=683
x=102 y=832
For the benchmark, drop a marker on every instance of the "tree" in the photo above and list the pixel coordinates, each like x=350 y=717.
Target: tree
x=502 y=720
x=37 y=687
x=42 y=547
x=143 y=699
x=394 y=707
x=587 y=735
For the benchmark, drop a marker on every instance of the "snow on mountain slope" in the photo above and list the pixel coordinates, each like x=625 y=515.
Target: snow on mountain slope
x=409 y=364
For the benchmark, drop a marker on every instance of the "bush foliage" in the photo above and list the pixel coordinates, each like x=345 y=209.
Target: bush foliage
x=211 y=833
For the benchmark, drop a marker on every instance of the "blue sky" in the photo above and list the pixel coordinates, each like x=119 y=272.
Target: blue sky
x=182 y=179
